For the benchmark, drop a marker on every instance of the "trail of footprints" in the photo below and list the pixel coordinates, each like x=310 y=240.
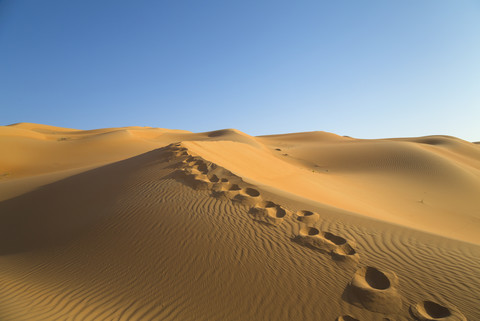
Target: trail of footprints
x=370 y=288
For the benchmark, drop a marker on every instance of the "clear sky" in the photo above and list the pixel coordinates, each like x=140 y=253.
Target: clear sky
x=366 y=69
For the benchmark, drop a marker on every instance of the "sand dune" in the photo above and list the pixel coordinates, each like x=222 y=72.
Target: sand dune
x=143 y=223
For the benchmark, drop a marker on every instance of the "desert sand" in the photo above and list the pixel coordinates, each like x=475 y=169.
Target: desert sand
x=141 y=223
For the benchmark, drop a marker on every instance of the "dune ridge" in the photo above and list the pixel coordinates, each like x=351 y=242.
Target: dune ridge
x=175 y=225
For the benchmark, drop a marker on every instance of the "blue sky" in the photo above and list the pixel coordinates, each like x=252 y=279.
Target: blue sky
x=366 y=69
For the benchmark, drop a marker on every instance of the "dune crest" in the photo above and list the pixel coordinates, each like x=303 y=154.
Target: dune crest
x=153 y=224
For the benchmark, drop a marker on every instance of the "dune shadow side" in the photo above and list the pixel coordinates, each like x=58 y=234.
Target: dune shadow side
x=56 y=213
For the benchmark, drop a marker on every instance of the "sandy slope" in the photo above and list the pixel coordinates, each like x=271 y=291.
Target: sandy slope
x=153 y=224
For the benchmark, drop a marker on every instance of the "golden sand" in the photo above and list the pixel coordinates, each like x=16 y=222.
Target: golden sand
x=141 y=223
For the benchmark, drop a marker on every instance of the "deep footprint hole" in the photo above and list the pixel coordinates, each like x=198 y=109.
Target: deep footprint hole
x=306 y=213
x=270 y=204
x=234 y=187
x=435 y=310
x=214 y=178
x=203 y=168
x=312 y=231
x=350 y=251
x=252 y=192
x=337 y=240
x=281 y=213
x=376 y=279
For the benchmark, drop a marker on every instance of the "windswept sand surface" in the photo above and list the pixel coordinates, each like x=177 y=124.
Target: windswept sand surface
x=142 y=223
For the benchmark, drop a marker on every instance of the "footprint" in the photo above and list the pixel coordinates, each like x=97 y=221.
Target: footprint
x=344 y=249
x=308 y=217
x=431 y=311
x=193 y=178
x=220 y=185
x=309 y=231
x=376 y=279
x=197 y=163
x=190 y=160
x=339 y=248
x=345 y=252
x=174 y=150
x=234 y=187
x=225 y=190
x=376 y=290
x=252 y=192
x=337 y=240
x=347 y=318
x=248 y=196
x=313 y=238
x=182 y=153
x=201 y=166
x=201 y=174
x=201 y=181
x=269 y=212
x=186 y=173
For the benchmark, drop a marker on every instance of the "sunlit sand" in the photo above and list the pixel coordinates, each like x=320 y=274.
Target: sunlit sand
x=141 y=223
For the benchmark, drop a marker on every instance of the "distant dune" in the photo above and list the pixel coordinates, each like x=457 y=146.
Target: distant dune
x=141 y=223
